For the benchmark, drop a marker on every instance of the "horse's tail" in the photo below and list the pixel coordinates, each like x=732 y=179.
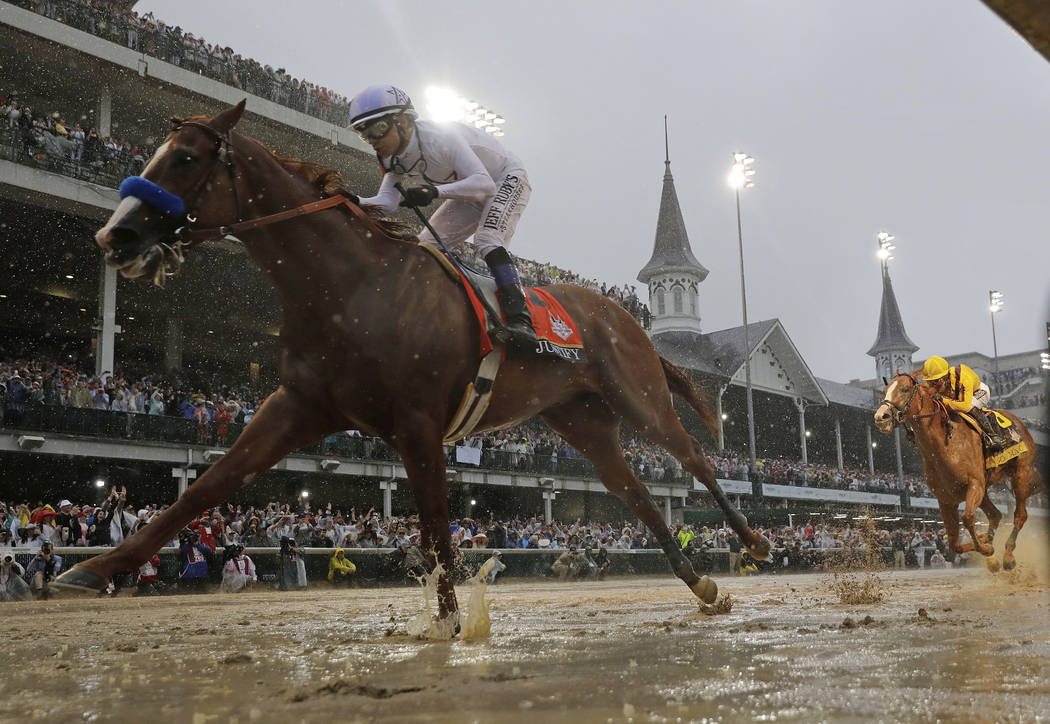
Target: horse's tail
x=1036 y=484
x=682 y=386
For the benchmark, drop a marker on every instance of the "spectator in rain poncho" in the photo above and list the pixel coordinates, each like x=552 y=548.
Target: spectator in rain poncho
x=340 y=569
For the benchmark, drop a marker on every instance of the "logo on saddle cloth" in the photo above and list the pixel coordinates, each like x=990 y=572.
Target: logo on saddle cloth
x=555 y=330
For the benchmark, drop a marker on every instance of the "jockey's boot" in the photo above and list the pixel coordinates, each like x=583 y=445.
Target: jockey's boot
x=511 y=298
x=984 y=418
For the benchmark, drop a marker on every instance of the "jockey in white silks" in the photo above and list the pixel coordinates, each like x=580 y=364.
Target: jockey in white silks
x=483 y=186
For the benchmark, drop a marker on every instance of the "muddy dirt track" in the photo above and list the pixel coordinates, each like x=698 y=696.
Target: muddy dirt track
x=621 y=650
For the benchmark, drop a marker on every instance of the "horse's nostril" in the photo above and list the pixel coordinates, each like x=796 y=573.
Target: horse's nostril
x=123 y=237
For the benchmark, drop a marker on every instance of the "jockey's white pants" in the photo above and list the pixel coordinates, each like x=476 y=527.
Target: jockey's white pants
x=492 y=222
x=982 y=398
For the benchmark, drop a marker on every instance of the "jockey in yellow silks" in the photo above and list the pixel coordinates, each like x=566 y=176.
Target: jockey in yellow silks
x=961 y=390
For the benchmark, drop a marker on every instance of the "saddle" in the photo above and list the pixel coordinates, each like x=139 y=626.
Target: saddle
x=1003 y=444
x=556 y=332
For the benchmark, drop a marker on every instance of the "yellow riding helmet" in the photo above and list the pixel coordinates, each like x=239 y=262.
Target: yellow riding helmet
x=935 y=368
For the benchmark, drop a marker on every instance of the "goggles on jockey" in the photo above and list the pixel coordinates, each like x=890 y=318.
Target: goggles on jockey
x=376 y=129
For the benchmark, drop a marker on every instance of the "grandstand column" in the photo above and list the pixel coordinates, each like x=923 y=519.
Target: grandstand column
x=173 y=344
x=667 y=510
x=871 y=449
x=900 y=460
x=548 y=497
x=107 y=312
x=183 y=476
x=838 y=442
x=388 y=487
x=721 y=417
x=801 y=405
x=105 y=112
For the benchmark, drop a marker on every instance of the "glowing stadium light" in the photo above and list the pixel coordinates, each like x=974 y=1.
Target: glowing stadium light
x=886 y=246
x=306 y=493
x=1044 y=359
x=742 y=171
x=444 y=105
x=995 y=301
x=100 y=483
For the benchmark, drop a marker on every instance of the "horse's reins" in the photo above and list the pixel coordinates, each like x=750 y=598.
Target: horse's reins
x=186 y=237
x=902 y=412
x=224 y=150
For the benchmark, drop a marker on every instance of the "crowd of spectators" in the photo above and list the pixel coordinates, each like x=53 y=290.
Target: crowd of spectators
x=219 y=411
x=78 y=524
x=1006 y=381
x=151 y=36
x=289 y=528
x=66 y=142
x=783 y=471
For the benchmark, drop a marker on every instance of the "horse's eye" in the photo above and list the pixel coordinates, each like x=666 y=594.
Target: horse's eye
x=183 y=159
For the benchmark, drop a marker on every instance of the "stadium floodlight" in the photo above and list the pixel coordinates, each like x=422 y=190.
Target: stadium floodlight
x=1044 y=359
x=444 y=105
x=741 y=174
x=884 y=239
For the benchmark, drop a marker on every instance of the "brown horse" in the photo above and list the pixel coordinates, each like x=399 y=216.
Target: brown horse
x=953 y=461
x=376 y=337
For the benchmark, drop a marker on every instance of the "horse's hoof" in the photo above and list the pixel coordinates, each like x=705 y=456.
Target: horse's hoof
x=78 y=580
x=760 y=551
x=1009 y=564
x=991 y=564
x=705 y=589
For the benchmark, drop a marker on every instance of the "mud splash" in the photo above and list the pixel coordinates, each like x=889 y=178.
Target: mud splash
x=477 y=624
x=855 y=569
x=426 y=624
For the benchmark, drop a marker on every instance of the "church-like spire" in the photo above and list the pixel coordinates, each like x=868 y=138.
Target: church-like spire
x=671 y=251
x=891 y=337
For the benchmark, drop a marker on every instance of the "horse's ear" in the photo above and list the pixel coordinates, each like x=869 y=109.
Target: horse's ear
x=225 y=121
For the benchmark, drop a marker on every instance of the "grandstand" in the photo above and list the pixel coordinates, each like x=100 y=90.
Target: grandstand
x=214 y=328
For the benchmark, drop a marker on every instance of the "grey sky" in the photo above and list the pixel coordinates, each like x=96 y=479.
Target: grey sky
x=928 y=119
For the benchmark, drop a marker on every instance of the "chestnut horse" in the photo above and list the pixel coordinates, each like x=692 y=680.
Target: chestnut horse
x=953 y=462
x=376 y=337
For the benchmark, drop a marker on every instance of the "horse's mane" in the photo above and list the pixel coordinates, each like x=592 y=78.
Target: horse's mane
x=327 y=181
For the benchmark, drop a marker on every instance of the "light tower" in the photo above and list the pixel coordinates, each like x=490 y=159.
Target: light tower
x=741 y=176
x=995 y=305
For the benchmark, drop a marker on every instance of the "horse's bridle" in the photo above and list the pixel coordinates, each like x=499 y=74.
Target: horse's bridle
x=901 y=412
x=185 y=236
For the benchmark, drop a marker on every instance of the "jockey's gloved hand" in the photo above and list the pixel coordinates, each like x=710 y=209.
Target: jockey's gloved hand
x=419 y=195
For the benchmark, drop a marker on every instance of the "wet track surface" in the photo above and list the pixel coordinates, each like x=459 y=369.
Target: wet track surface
x=621 y=650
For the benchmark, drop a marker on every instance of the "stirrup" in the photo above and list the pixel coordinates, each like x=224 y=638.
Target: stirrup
x=521 y=334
